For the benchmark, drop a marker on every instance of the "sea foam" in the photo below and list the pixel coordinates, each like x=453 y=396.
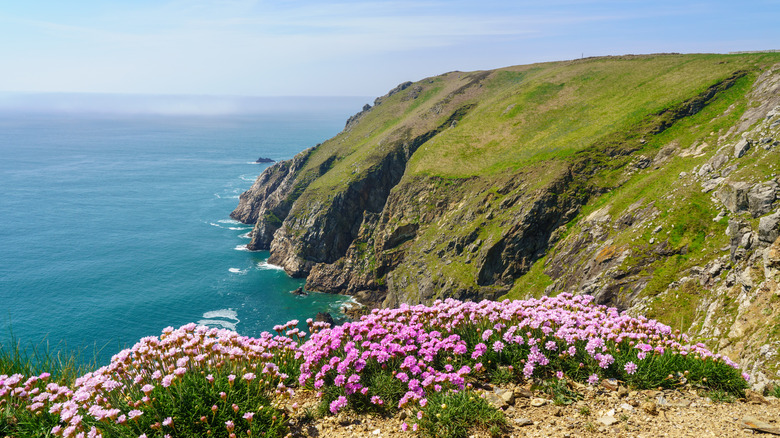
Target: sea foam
x=266 y=265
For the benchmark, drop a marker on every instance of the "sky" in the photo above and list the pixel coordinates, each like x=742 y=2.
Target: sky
x=341 y=48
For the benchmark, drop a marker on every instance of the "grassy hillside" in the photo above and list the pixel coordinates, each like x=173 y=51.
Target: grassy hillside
x=527 y=114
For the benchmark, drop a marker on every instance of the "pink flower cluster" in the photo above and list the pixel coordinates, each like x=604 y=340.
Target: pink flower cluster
x=423 y=348
x=119 y=392
x=422 y=344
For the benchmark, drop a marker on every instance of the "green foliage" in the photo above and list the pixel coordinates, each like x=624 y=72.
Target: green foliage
x=63 y=364
x=190 y=404
x=456 y=414
x=720 y=396
x=559 y=390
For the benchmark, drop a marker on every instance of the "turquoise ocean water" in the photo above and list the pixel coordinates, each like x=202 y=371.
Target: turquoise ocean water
x=113 y=227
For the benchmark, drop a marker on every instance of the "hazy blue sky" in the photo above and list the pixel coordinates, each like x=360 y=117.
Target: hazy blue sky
x=327 y=48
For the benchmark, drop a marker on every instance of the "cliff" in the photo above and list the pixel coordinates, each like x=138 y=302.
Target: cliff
x=649 y=182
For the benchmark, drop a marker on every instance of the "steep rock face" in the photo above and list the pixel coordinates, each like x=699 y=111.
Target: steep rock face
x=267 y=203
x=321 y=231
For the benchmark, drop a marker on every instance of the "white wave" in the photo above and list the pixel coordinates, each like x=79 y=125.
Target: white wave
x=229 y=221
x=266 y=265
x=237 y=271
x=218 y=323
x=222 y=313
x=246 y=235
x=241 y=248
x=217 y=195
x=248 y=177
x=247 y=227
x=215 y=225
x=350 y=303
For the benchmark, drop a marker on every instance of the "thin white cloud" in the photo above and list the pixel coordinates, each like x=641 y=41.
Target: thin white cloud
x=252 y=46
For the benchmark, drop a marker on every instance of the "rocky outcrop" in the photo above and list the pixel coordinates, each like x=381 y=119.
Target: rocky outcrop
x=267 y=203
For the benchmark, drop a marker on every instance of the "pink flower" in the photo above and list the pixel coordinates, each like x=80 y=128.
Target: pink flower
x=630 y=367
x=336 y=405
x=168 y=421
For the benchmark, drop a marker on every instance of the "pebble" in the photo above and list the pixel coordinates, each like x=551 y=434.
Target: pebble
x=608 y=420
x=650 y=408
x=537 y=402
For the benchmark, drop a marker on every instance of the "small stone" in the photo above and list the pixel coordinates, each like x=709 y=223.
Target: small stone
x=650 y=408
x=537 y=402
x=495 y=400
x=608 y=420
x=524 y=422
x=627 y=407
x=507 y=395
x=755 y=398
x=376 y=432
x=753 y=423
x=523 y=392
x=610 y=384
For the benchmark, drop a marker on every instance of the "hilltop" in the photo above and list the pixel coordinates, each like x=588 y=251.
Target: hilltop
x=649 y=182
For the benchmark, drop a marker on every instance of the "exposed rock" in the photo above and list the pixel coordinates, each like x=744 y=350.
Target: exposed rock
x=704 y=169
x=325 y=317
x=496 y=400
x=759 y=425
x=506 y=394
x=761 y=197
x=608 y=420
x=299 y=292
x=264 y=160
x=741 y=148
x=733 y=195
x=649 y=407
x=266 y=204
x=755 y=398
x=537 y=402
x=719 y=159
x=769 y=228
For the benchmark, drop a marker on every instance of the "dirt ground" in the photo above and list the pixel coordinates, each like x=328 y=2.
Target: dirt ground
x=601 y=412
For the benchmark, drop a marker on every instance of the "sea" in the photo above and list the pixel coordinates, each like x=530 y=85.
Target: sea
x=114 y=224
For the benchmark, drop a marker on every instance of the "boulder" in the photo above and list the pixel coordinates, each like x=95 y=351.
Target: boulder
x=769 y=228
x=704 y=169
x=299 y=292
x=741 y=148
x=733 y=195
x=761 y=197
x=719 y=159
x=325 y=317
